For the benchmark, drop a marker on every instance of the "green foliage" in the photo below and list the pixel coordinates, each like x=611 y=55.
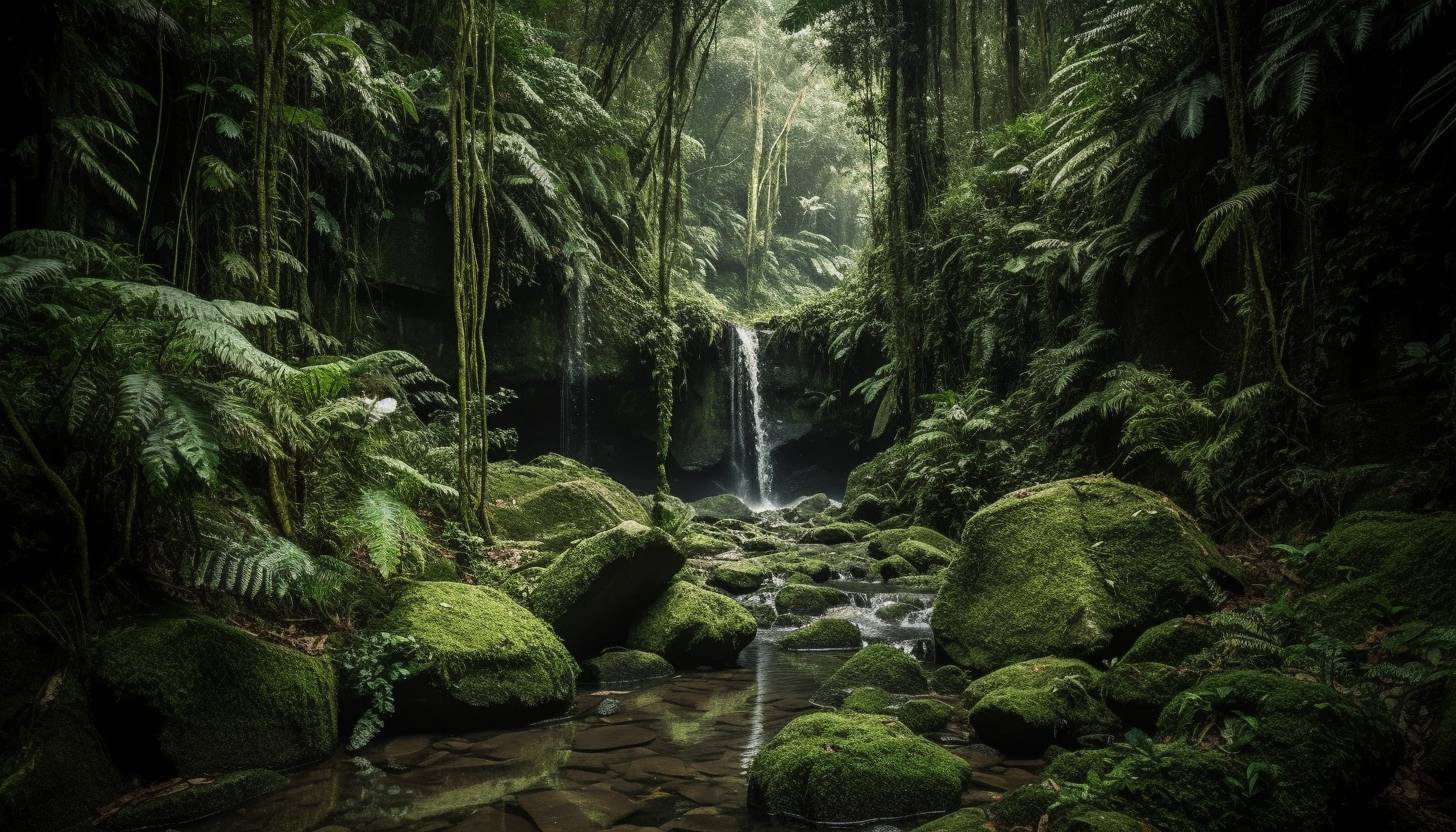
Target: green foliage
x=373 y=663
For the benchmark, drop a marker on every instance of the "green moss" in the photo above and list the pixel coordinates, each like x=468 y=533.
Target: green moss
x=1022 y=708
x=895 y=612
x=948 y=679
x=808 y=600
x=799 y=578
x=1408 y=558
x=970 y=819
x=789 y=564
x=1137 y=692
x=225 y=699
x=1099 y=820
x=919 y=583
x=1172 y=642
x=1065 y=567
x=849 y=768
x=1079 y=766
x=932 y=548
x=56 y=771
x=810 y=507
x=696 y=544
x=762 y=613
x=591 y=594
x=892 y=567
x=562 y=513
x=439 y=569
x=692 y=627
x=1330 y=754
x=792 y=619
x=824 y=634
x=486 y=650
x=199 y=800
x=1023 y=807
x=624 y=667
x=924 y=715
x=882 y=666
x=869 y=700
x=722 y=507
x=834 y=533
x=740 y=577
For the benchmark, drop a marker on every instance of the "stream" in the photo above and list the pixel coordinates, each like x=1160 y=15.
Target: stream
x=668 y=756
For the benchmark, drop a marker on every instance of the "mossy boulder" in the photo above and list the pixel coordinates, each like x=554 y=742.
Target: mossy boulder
x=920 y=583
x=1330 y=754
x=893 y=567
x=1072 y=568
x=1172 y=642
x=948 y=679
x=923 y=715
x=764 y=614
x=835 y=533
x=1410 y=559
x=881 y=666
x=491 y=662
x=692 y=627
x=56 y=772
x=1022 y=708
x=866 y=508
x=192 y=800
x=808 y=600
x=824 y=634
x=740 y=577
x=799 y=578
x=1137 y=692
x=563 y=513
x=895 y=612
x=924 y=547
x=591 y=594
x=810 y=507
x=868 y=700
x=698 y=544
x=185 y=695
x=1192 y=789
x=722 y=507
x=788 y=563
x=619 y=668
x=851 y=768
x=969 y=819
x=1023 y=808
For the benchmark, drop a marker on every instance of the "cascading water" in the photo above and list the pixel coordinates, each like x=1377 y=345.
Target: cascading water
x=748 y=433
x=575 y=376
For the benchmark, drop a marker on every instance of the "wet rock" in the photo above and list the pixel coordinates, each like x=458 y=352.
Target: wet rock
x=582 y=810
x=970 y=819
x=1023 y=708
x=624 y=668
x=563 y=512
x=590 y=596
x=848 y=768
x=701 y=823
x=654 y=769
x=491 y=819
x=607 y=707
x=881 y=666
x=763 y=543
x=834 y=533
x=948 y=679
x=894 y=613
x=692 y=627
x=192 y=800
x=611 y=738
x=722 y=507
x=492 y=663
x=808 y=600
x=866 y=508
x=808 y=508
x=980 y=756
x=1067 y=568
x=601 y=761
x=741 y=577
x=824 y=634
x=892 y=567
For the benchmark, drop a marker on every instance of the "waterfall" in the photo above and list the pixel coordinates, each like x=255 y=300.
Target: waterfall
x=748 y=434
x=575 y=375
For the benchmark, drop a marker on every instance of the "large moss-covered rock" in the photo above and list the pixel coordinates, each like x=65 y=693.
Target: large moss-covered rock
x=1410 y=559
x=562 y=513
x=835 y=533
x=491 y=662
x=721 y=507
x=591 y=594
x=892 y=567
x=881 y=666
x=1173 y=787
x=619 y=668
x=824 y=634
x=924 y=715
x=192 y=800
x=794 y=564
x=190 y=695
x=692 y=627
x=850 y=768
x=739 y=577
x=1137 y=692
x=808 y=600
x=1329 y=754
x=1072 y=568
x=56 y=771
x=926 y=548
x=1023 y=708
x=1172 y=642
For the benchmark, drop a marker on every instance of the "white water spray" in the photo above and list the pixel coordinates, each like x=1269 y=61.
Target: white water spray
x=748 y=431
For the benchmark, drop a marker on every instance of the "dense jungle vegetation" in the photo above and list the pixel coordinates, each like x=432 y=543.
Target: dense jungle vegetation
x=1207 y=246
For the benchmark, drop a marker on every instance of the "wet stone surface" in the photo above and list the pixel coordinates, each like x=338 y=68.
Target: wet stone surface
x=669 y=757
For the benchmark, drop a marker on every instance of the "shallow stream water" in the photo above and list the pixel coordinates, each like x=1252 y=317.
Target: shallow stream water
x=672 y=756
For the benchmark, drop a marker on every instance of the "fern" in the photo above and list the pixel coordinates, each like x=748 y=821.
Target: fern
x=390 y=532
x=1220 y=224
x=260 y=564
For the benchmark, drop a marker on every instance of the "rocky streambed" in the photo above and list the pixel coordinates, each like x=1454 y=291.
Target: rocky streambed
x=670 y=755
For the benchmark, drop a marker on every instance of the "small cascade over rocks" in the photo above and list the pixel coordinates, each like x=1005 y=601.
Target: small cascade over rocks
x=749 y=445
x=576 y=375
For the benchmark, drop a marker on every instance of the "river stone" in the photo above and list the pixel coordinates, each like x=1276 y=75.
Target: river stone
x=611 y=738
x=810 y=507
x=692 y=627
x=808 y=600
x=1073 y=568
x=722 y=507
x=200 y=696
x=491 y=819
x=824 y=634
x=587 y=809
x=850 y=768
x=741 y=577
x=491 y=663
x=623 y=668
x=881 y=666
x=1023 y=708
x=590 y=595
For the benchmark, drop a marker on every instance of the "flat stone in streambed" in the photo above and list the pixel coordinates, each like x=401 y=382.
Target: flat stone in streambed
x=691 y=627
x=188 y=800
x=851 y=768
x=611 y=738
x=591 y=594
x=491 y=662
x=1074 y=568
x=587 y=809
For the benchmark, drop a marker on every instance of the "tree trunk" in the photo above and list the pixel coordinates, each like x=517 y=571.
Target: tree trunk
x=1012 y=26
